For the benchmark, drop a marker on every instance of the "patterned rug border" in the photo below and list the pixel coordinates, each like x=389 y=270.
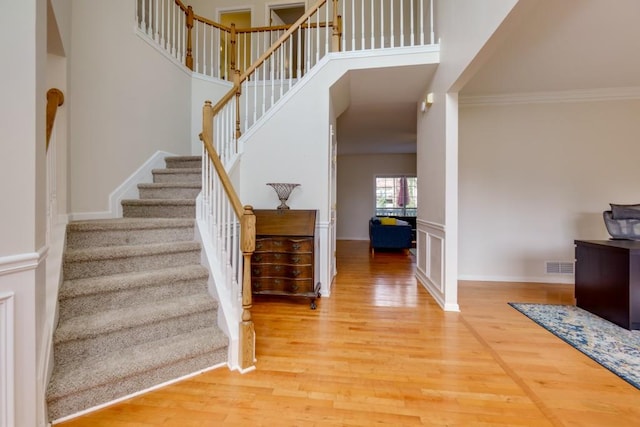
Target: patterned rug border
x=609 y=341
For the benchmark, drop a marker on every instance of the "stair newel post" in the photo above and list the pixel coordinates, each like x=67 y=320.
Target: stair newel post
x=207 y=123
x=189 y=57
x=337 y=28
x=55 y=99
x=234 y=37
x=247 y=331
x=238 y=86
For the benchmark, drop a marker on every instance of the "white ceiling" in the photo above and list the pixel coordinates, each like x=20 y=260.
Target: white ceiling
x=381 y=116
x=565 y=45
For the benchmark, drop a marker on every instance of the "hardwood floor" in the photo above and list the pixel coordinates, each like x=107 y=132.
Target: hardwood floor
x=380 y=351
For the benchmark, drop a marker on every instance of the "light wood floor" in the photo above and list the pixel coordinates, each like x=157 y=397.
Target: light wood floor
x=380 y=351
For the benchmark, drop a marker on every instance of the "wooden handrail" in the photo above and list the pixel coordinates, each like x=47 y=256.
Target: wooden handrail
x=55 y=99
x=247 y=238
x=212 y=23
x=207 y=139
x=281 y=40
x=233 y=31
x=238 y=82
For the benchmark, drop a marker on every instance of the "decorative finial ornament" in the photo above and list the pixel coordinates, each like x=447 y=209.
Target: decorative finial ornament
x=283 y=190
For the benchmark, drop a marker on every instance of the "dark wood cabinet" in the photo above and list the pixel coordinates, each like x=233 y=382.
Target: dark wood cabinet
x=284 y=260
x=607 y=281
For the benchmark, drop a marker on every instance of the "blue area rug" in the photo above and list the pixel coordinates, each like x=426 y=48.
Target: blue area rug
x=615 y=348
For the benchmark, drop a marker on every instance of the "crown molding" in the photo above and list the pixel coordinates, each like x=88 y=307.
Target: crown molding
x=581 y=95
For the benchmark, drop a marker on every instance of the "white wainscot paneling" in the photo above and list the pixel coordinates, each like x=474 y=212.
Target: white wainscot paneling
x=6 y=360
x=430 y=259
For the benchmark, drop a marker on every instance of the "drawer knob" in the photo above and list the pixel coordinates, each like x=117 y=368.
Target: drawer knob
x=296 y=246
x=295 y=259
x=295 y=288
x=295 y=273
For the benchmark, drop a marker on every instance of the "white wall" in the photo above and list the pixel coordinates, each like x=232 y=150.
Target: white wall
x=126 y=102
x=356 y=189
x=22 y=190
x=464 y=29
x=259 y=17
x=535 y=177
x=203 y=89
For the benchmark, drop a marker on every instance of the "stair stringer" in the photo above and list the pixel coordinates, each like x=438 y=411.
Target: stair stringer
x=229 y=315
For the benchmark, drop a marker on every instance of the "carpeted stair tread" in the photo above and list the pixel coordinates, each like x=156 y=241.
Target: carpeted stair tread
x=129 y=224
x=159 y=202
x=81 y=327
x=170 y=185
x=115 y=366
x=124 y=281
x=179 y=174
x=114 y=252
x=183 y=161
x=128 y=231
x=78 y=297
x=177 y=171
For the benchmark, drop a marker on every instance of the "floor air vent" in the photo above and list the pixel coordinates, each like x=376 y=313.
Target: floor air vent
x=558 y=267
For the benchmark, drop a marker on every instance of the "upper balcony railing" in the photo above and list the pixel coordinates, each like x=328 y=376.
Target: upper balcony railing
x=217 y=50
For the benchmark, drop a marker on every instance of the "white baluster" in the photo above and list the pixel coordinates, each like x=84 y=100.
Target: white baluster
x=150 y=19
x=299 y=55
x=162 y=25
x=422 y=22
x=144 y=16
x=393 y=35
x=264 y=86
x=281 y=50
x=211 y=50
x=227 y=41
x=273 y=80
x=373 y=32
x=196 y=52
x=362 y=45
x=255 y=95
x=412 y=41
x=401 y=22
x=327 y=27
x=353 y=25
x=382 y=24
x=433 y=34
x=156 y=34
x=308 y=50
x=245 y=95
x=317 y=33
x=290 y=64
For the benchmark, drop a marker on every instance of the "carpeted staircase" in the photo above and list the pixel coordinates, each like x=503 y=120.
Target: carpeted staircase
x=134 y=310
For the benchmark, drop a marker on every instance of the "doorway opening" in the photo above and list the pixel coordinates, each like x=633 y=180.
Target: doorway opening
x=241 y=19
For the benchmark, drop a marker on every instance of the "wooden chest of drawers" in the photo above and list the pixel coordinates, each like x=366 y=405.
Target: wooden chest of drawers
x=284 y=259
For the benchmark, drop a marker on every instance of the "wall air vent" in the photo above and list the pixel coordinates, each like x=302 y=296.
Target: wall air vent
x=559 y=267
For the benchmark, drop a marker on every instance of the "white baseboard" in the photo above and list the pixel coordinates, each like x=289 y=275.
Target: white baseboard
x=127 y=190
x=568 y=280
